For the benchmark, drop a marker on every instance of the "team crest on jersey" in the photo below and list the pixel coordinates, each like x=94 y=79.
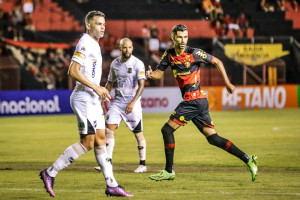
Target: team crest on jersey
x=82 y=49
x=129 y=70
x=187 y=61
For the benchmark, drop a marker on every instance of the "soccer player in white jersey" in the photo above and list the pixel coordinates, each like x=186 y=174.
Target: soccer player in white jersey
x=127 y=75
x=86 y=69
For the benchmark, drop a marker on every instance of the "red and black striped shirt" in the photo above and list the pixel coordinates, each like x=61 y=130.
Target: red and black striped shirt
x=186 y=70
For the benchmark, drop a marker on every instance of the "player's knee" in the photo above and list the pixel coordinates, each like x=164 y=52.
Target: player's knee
x=87 y=142
x=139 y=136
x=167 y=130
x=109 y=133
x=215 y=140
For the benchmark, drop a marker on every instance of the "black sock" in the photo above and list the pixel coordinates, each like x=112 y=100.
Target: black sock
x=142 y=162
x=228 y=146
x=169 y=142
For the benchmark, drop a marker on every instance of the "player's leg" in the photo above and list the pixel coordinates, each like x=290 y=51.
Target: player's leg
x=169 y=142
x=134 y=121
x=112 y=189
x=110 y=141
x=141 y=146
x=75 y=150
x=204 y=124
x=110 y=138
x=68 y=156
x=214 y=139
x=184 y=112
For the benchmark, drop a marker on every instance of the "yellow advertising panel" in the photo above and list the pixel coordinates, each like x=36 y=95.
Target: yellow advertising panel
x=254 y=54
x=253 y=97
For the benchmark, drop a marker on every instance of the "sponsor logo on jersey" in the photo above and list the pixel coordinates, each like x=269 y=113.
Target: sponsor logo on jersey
x=94 y=67
x=82 y=49
x=187 y=61
x=79 y=55
x=180 y=73
x=201 y=54
x=129 y=70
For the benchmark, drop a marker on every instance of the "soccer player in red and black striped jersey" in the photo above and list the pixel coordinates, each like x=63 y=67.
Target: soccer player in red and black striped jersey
x=185 y=63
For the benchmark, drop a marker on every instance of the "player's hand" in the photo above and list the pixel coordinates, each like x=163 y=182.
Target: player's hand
x=129 y=107
x=230 y=88
x=149 y=72
x=103 y=93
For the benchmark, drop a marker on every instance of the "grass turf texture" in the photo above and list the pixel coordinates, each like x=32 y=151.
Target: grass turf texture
x=29 y=144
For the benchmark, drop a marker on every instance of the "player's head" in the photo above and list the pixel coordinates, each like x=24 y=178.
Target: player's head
x=95 y=24
x=126 y=48
x=180 y=36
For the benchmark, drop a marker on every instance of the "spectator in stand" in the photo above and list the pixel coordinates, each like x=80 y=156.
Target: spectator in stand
x=17 y=23
x=208 y=8
x=146 y=38
x=281 y=5
x=230 y=24
x=267 y=6
x=154 y=41
x=28 y=24
x=243 y=23
x=295 y=5
x=219 y=30
x=165 y=41
x=218 y=9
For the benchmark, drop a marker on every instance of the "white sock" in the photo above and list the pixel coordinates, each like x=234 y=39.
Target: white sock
x=141 y=145
x=110 y=142
x=106 y=166
x=70 y=154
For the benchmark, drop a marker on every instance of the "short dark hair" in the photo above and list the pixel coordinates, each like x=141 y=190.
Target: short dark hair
x=92 y=14
x=178 y=27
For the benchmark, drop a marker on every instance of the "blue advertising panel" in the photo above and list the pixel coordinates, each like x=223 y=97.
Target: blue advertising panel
x=39 y=102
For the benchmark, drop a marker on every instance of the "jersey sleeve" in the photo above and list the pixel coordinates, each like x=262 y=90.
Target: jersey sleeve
x=202 y=56
x=80 y=53
x=140 y=70
x=164 y=63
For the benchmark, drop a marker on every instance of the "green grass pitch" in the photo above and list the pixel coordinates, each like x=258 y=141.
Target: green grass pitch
x=29 y=144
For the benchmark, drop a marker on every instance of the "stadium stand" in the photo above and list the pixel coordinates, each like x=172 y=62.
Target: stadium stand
x=59 y=21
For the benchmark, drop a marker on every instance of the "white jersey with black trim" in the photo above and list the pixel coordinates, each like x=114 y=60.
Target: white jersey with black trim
x=125 y=75
x=88 y=55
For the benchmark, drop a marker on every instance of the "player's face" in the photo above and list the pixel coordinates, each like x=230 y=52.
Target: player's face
x=96 y=27
x=126 y=49
x=180 y=39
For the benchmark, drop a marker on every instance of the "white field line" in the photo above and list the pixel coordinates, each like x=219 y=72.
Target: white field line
x=150 y=192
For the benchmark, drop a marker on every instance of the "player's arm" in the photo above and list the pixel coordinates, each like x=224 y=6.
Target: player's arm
x=75 y=73
x=129 y=107
x=219 y=64
x=154 y=74
x=109 y=85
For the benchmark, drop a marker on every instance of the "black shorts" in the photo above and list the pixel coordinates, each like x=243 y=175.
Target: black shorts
x=196 y=110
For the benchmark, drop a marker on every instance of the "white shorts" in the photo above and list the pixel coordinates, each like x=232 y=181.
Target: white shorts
x=116 y=114
x=90 y=116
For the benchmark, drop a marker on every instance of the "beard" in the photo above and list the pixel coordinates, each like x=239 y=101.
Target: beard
x=126 y=55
